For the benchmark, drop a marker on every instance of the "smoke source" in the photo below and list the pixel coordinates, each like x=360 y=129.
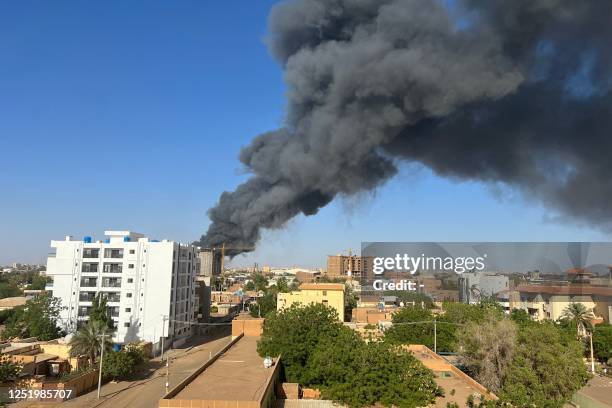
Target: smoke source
x=514 y=92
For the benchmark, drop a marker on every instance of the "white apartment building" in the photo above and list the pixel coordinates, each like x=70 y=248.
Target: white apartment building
x=150 y=285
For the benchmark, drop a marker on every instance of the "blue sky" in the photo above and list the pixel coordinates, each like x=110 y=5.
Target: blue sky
x=130 y=115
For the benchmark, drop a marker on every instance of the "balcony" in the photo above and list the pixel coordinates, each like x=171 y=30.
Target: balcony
x=84 y=311
x=91 y=253
x=111 y=282
x=87 y=296
x=113 y=253
x=113 y=297
x=112 y=268
x=90 y=267
x=89 y=282
x=112 y=312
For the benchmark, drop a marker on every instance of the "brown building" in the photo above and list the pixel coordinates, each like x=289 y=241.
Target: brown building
x=358 y=267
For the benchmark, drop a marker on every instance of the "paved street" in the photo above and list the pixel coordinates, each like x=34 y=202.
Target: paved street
x=148 y=387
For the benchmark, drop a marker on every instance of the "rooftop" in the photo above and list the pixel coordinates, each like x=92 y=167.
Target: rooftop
x=238 y=375
x=448 y=377
x=322 y=286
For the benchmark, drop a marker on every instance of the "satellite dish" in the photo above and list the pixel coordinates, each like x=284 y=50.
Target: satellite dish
x=268 y=362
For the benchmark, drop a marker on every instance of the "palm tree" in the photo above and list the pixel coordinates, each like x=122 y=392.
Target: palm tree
x=580 y=315
x=88 y=340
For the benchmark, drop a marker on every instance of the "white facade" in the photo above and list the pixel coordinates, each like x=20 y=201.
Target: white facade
x=144 y=281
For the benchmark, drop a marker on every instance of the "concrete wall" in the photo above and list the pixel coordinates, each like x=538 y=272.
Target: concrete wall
x=248 y=327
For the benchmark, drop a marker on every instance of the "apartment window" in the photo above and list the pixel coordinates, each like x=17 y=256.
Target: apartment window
x=112 y=312
x=324 y=293
x=113 y=297
x=128 y=295
x=325 y=302
x=86 y=296
x=132 y=252
x=89 y=267
x=113 y=268
x=111 y=282
x=113 y=253
x=91 y=253
x=89 y=282
x=130 y=280
x=84 y=311
x=128 y=310
x=126 y=324
x=131 y=266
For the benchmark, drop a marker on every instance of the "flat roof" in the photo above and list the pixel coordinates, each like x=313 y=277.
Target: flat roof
x=237 y=375
x=322 y=286
x=575 y=289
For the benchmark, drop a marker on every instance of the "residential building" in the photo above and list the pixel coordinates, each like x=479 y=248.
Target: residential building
x=210 y=262
x=548 y=300
x=356 y=267
x=328 y=294
x=474 y=286
x=149 y=285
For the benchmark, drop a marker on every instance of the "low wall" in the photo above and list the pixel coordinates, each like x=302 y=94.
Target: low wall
x=247 y=327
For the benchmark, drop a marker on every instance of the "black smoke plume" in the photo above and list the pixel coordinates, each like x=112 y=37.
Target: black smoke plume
x=514 y=92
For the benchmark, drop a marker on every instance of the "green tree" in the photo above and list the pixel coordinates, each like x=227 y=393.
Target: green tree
x=37 y=318
x=8 y=289
x=356 y=373
x=99 y=311
x=38 y=282
x=602 y=342
x=486 y=350
x=294 y=332
x=547 y=367
x=264 y=305
x=282 y=285
x=88 y=341
x=119 y=364
x=580 y=316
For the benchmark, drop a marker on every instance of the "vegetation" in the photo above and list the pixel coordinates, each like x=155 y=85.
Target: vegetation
x=120 y=364
x=8 y=369
x=602 y=342
x=319 y=351
x=99 y=311
x=486 y=350
x=12 y=284
x=264 y=306
x=37 y=318
x=89 y=340
x=580 y=316
x=547 y=367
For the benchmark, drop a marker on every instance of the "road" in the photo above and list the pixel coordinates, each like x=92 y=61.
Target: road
x=148 y=387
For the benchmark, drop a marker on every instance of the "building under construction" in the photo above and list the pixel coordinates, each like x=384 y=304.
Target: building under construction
x=210 y=262
x=357 y=267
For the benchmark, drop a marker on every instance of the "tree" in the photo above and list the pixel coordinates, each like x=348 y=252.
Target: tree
x=38 y=282
x=294 y=332
x=486 y=350
x=265 y=305
x=547 y=368
x=99 y=311
x=282 y=285
x=602 y=342
x=88 y=341
x=118 y=364
x=37 y=318
x=347 y=369
x=581 y=316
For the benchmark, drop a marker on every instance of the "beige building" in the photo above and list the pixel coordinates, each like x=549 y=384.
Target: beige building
x=358 y=267
x=328 y=294
x=547 y=300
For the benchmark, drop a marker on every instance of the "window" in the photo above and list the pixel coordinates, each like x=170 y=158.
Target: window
x=128 y=309
x=91 y=252
x=132 y=252
x=130 y=280
x=324 y=293
x=113 y=268
x=89 y=267
x=131 y=266
x=325 y=302
x=111 y=282
x=128 y=295
x=88 y=282
x=113 y=253
x=126 y=324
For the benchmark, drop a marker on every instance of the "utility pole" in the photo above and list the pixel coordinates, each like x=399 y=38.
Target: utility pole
x=101 y=358
x=592 y=359
x=164 y=318
x=435 y=337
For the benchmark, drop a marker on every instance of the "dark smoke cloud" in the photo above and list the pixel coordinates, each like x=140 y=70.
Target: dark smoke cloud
x=513 y=91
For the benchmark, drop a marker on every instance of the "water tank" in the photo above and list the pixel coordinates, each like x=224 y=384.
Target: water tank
x=126 y=239
x=87 y=240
